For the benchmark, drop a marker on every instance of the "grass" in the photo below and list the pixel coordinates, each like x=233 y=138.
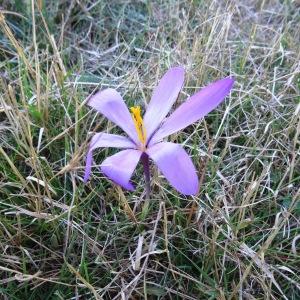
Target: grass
x=238 y=239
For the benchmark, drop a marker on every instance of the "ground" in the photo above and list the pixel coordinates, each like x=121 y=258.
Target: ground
x=239 y=238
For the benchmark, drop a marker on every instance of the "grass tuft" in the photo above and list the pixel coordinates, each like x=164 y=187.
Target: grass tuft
x=61 y=239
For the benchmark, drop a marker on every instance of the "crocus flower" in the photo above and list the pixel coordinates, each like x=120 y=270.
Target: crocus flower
x=145 y=135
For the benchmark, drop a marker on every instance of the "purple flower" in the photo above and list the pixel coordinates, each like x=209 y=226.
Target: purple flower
x=145 y=135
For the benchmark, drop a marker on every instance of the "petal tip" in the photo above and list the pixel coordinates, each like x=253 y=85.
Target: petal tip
x=230 y=81
x=91 y=98
x=108 y=92
x=86 y=178
x=130 y=187
x=191 y=190
x=125 y=185
x=179 y=71
x=178 y=68
x=176 y=71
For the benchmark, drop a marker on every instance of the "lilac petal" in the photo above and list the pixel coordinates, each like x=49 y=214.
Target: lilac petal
x=176 y=166
x=164 y=95
x=194 y=108
x=111 y=104
x=120 y=167
x=100 y=140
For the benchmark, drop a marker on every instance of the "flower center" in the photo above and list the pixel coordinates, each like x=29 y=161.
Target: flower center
x=138 y=123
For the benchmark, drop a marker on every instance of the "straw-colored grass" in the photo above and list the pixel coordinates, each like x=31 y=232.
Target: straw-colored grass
x=238 y=239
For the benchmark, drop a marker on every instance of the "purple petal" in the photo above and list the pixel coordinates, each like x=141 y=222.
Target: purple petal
x=102 y=139
x=176 y=165
x=194 y=108
x=120 y=167
x=111 y=104
x=164 y=95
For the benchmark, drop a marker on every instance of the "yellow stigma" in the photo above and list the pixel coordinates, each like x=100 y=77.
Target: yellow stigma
x=138 y=123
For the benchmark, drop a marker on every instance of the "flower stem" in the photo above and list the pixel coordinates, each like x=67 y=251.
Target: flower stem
x=145 y=161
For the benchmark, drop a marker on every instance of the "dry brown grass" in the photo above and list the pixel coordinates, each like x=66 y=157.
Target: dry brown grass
x=61 y=239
